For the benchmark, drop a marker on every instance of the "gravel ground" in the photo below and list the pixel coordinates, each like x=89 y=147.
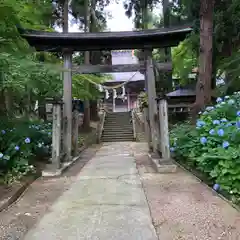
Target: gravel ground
x=183 y=208
x=35 y=202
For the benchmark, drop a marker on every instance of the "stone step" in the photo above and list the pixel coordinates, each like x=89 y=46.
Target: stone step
x=117 y=121
x=117 y=130
x=125 y=134
x=116 y=139
x=118 y=135
x=117 y=127
x=127 y=127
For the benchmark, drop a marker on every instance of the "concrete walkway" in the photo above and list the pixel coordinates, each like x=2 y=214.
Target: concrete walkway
x=106 y=202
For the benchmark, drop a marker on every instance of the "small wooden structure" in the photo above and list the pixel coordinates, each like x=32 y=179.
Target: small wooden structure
x=180 y=102
x=146 y=40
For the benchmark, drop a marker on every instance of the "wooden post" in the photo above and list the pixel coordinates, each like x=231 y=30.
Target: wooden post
x=163 y=117
x=128 y=102
x=146 y=127
x=152 y=106
x=76 y=121
x=67 y=108
x=56 y=135
x=113 y=108
x=134 y=125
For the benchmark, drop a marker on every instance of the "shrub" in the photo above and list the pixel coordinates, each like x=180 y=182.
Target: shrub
x=143 y=100
x=20 y=142
x=213 y=145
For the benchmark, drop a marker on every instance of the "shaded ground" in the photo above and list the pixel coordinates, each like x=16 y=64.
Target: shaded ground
x=22 y=215
x=183 y=208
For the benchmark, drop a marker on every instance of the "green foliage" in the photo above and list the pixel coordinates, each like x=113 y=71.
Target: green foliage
x=213 y=145
x=143 y=100
x=21 y=141
x=185 y=58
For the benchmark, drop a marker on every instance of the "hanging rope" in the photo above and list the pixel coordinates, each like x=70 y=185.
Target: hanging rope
x=112 y=87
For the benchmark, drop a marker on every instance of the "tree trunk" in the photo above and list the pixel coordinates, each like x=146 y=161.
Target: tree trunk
x=203 y=88
x=65 y=16
x=2 y=104
x=94 y=110
x=86 y=119
x=167 y=51
x=8 y=101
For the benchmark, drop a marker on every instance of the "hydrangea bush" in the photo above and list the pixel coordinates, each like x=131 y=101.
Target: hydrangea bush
x=213 y=145
x=20 y=143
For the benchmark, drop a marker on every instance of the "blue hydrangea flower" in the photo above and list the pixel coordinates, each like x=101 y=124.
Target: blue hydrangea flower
x=172 y=149
x=27 y=140
x=204 y=113
x=1 y=155
x=238 y=124
x=6 y=157
x=226 y=97
x=219 y=100
x=3 y=131
x=203 y=140
x=200 y=123
x=231 y=102
x=212 y=132
x=216 y=187
x=228 y=124
x=220 y=132
x=224 y=120
x=216 y=122
x=225 y=144
x=17 y=148
x=238 y=113
x=209 y=108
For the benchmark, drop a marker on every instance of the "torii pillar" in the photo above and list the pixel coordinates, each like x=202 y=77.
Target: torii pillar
x=67 y=107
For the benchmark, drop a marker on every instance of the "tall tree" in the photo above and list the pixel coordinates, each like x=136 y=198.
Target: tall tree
x=203 y=88
x=86 y=121
x=167 y=51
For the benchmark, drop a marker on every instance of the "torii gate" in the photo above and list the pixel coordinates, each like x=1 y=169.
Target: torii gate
x=67 y=43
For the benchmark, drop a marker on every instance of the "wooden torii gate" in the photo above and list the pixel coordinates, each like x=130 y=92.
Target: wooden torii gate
x=67 y=43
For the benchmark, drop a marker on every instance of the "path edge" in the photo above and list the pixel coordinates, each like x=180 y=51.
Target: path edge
x=203 y=183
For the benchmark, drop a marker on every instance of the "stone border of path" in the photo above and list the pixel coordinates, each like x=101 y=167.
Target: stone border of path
x=24 y=186
x=161 y=167
x=17 y=193
x=202 y=182
x=91 y=139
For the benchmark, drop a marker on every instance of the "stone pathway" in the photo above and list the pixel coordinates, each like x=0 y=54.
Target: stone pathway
x=182 y=208
x=105 y=202
x=118 y=195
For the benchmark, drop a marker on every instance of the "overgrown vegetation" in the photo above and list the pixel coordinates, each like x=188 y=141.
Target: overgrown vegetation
x=213 y=145
x=20 y=142
x=143 y=100
x=28 y=76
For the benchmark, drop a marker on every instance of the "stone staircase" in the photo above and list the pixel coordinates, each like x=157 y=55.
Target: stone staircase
x=117 y=127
